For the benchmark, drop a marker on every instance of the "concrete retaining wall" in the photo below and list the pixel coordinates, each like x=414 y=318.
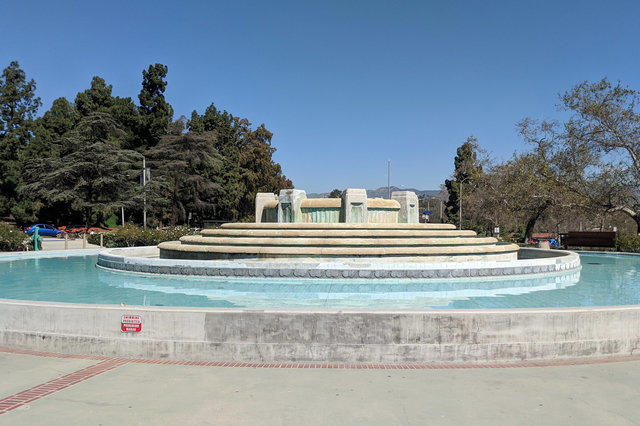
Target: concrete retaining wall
x=339 y=336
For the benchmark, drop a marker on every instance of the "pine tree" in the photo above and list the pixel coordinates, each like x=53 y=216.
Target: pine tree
x=155 y=112
x=466 y=170
x=18 y=106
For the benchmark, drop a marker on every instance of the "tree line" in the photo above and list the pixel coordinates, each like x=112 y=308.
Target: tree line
x=81 y=160
x=583 y=172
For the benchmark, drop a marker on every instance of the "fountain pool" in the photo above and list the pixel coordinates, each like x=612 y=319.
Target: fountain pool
x=605 y=280
x=67 y=304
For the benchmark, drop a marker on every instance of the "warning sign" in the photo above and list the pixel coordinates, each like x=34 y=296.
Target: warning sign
x=131 y=324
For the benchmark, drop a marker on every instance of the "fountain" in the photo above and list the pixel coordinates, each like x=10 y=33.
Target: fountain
x=325 y=241
x=354 y=237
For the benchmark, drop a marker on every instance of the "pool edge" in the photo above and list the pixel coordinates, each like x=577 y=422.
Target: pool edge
x=324 y=335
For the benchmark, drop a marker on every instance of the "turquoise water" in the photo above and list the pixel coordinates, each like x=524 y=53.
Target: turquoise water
x=605 y=279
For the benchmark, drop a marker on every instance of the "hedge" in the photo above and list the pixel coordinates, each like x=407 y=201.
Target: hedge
x=628 y=243
x=12 y=238
x=134 y=236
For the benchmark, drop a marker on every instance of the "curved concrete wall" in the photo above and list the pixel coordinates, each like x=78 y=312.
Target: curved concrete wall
x=336 y=336
x=143 y=259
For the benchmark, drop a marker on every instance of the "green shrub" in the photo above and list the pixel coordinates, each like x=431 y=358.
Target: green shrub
x=628 y=242
x=133 y=236
x=519 y=233
x=12 y=238
x=112 y=221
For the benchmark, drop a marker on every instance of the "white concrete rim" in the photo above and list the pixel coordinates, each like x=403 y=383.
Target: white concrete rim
x=144 y=260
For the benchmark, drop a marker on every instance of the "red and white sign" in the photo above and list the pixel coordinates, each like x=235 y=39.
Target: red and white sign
x=131 y=324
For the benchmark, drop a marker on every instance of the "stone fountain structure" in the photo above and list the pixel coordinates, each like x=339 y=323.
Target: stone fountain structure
x=348 y=239
x=353 y=237
x=353 y=228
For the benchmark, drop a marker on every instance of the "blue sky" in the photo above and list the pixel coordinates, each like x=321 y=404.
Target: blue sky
x=343 y=85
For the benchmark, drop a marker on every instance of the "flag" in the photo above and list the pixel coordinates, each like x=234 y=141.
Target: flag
x=145 y=176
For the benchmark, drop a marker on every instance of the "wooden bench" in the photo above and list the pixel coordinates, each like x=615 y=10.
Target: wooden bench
x=590 y=239
x=543 y=236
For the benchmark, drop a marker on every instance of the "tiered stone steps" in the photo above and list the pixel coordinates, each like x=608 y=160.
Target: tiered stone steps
x=388 y=242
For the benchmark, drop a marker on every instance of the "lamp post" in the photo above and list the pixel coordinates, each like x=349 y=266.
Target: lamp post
x=144 y=193
x=428 y=199
x=144 y=179
x=389 y=178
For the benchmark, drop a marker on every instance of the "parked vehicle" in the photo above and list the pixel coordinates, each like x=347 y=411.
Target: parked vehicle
x=43 y=230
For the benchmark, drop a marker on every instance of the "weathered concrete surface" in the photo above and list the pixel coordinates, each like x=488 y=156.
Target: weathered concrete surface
x=205 y=250
x=289 y=203
x=329 y=241
x=143 y=394
x=264 y=200
x=372 y=336
x=408 y=201
x=284 y=240
x=29 y=371
x=348 y=226
x=351 y=208
x=354 y=202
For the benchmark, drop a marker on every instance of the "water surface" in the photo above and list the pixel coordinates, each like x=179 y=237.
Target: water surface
x=605 y=279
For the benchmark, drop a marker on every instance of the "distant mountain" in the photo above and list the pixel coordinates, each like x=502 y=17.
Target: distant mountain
x=383 y=192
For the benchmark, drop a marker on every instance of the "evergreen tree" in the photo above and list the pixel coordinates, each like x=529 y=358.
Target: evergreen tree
x=127 y=118
x=336 y=193
x=79 y=159
x=229 y=131
x=155 y=111
x=92 y=176
x=18 y=105
x=259 y=172
x=123 y=111
x=187 y=165
x=51 y=127
x=466 y=170
x=95 y=99
x=247 y=164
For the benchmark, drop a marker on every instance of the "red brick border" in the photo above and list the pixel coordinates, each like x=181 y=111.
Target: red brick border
x=21 y=398
x=105 y=364
x=430 y=366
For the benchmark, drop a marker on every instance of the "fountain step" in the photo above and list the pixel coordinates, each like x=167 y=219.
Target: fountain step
x=340 y=242
x=341 y=225
x=397 y=242
x=167 y=248
x=336 y=233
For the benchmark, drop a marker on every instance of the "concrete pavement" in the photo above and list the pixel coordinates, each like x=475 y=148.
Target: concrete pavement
x=134 y=393
x=54 y=244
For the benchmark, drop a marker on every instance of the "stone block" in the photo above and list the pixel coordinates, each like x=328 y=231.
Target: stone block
x=408 y=206
x=264 y=199
x=289 y=205
x=355 y=205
